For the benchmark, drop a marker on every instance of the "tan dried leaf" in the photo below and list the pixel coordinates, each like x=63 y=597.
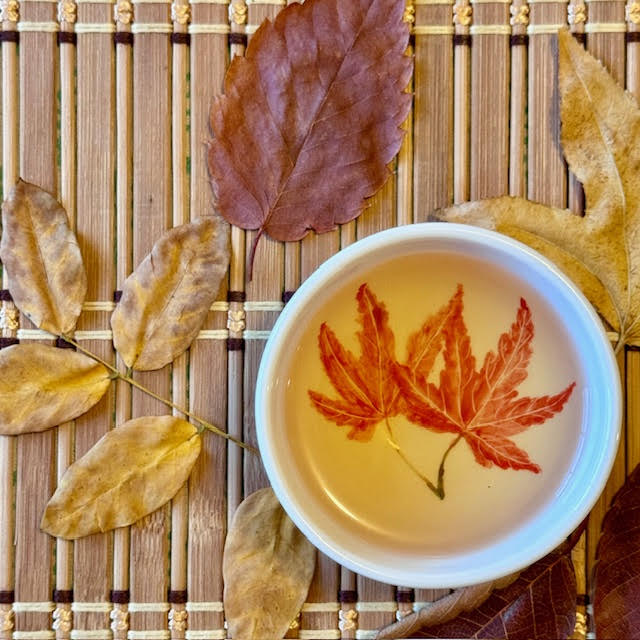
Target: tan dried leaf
x=130 y=472
x=447 y=608
x=41 y=387
x=166 y=299
x=47 y=279
x=267 y=567
x=600 y=251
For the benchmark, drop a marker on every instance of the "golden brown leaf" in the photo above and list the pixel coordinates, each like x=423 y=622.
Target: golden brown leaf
x=127 y=474
x=267 y=566
x=600 y=251
x=166 y=299
x=41 y=387
x=47 y=279
x=446 y=609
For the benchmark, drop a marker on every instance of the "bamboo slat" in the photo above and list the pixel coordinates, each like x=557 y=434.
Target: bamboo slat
x=119 y=132
x=152 y=213
x=38 y=62
x=10 y=172
x=96 y=192
x=211 y=374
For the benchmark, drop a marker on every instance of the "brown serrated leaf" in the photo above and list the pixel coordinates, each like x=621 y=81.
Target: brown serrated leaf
x=311 y=116
x=130 y=472
x=40 y=253
x=540 y=604
x=616 y=604
x=42 y=387
x=600 y=251
x=166 y=299
x=267 y=567
x=447 y=608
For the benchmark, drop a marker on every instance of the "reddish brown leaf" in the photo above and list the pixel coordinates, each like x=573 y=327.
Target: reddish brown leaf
x=311 y=116
x=482 y=406
x=366 y=384
x=616 y=604
x=540 y=604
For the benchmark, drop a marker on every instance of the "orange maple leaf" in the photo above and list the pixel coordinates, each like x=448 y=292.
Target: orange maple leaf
x=366 y=384
x=483 y=406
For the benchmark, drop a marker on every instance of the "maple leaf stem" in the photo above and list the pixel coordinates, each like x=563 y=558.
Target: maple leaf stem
x=126 y=377
x=396 y=447
x=440 y=487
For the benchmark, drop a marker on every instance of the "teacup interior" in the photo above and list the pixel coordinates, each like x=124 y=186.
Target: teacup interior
x=372 y=486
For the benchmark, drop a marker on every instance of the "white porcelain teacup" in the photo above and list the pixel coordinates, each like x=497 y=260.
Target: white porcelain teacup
x=437 y=406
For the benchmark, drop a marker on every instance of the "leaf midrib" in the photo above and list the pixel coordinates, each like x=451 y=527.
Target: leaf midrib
x=285 y=182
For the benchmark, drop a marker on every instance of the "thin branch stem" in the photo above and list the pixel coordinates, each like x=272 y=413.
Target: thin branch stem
x=128 y=379
x=396 y=447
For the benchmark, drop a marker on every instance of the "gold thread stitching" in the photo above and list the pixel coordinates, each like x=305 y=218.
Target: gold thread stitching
x=9 y=11
x=123 y=12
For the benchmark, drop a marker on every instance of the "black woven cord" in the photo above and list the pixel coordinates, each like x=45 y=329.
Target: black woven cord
x=235 y=344
x=117 y=295
x=347 y=597
x=8 y=342
x=62 y=596
x=580 y=37
x=120 y=597
x=236 y=296
x=67 y=37
x=63 y=344
x=177 y=597
x=10 y=36
x=123 y=37
x=461 y=40
x=7 y=597
x=5 y=295
x=287 y=295
x=632 y=36
x=238 y=38
x=405 y=596
x=519 y=40
x=181 y=38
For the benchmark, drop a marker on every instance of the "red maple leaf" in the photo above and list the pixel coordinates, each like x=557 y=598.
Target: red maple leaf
x=483 y=406
x=367 y=389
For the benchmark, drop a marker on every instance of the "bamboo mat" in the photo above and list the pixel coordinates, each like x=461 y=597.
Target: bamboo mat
x=107 y=106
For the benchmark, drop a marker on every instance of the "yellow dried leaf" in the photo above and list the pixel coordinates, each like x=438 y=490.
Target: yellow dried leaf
x=166 y=299
x=47 y=279
x=600 y=251
x=130 y=472
x=41 y=387
x=267 y=567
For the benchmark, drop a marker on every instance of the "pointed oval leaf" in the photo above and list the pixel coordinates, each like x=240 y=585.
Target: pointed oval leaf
x=616 y=605
x=316 y=103
x=166 y=299
x=540 y=604
x=47 y=279
x=42 y=387
x=130 y=472
x=267 y=566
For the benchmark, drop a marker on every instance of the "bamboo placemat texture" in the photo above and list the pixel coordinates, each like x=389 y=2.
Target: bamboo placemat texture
x=107 y=105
